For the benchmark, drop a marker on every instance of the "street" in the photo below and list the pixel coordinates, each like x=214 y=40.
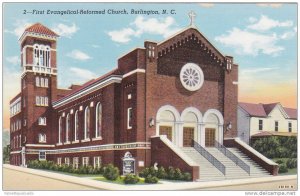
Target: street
x=14 y=180
x=19 y=178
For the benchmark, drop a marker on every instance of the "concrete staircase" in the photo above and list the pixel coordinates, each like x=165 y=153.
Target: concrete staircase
x=209 y=172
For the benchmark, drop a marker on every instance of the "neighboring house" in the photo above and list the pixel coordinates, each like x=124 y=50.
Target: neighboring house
x=263 y=120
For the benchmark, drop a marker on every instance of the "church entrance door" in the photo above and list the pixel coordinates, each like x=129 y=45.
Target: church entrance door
x=188 y=136
x=210 y=136
x=166 y=130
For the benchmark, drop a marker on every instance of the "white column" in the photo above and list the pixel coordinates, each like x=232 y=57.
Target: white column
x=220 y=127
x=23 y=157
x=202 y=131
x=157 y=128
x=179 y=134
x=199 y=133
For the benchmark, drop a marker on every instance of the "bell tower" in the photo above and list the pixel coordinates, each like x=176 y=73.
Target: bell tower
x=38 y=83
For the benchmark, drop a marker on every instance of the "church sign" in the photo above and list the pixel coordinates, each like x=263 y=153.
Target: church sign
x=128 y=164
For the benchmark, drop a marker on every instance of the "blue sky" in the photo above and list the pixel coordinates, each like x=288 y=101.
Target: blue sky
x=262 y=38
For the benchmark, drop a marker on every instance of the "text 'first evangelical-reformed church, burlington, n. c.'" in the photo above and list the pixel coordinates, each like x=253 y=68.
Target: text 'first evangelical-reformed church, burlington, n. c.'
x=161 y=100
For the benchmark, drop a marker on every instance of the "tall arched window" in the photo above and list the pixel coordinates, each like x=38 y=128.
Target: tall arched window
x=76 y=127
x=59 y=129
x=87 y=123
x=41 y=55
x=98 y=120
x=67 y=127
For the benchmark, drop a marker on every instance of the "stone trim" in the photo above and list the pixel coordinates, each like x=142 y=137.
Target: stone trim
x=125 y=146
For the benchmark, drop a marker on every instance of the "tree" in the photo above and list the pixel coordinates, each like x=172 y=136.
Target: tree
x=6 y=152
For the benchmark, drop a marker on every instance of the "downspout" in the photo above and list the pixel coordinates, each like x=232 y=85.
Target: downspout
x=145 y=115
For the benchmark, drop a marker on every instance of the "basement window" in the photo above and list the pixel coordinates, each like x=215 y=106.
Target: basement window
x=42 y=155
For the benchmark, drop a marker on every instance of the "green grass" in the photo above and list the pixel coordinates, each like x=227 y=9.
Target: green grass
x=119 y=180
x=71 y=174
x=290 y=172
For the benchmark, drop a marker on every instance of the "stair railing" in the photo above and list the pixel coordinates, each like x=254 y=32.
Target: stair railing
x=232 y=157
x=215 y=162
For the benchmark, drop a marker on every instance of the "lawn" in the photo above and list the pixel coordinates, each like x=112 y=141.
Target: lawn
x=119 y=180
x=70 y=174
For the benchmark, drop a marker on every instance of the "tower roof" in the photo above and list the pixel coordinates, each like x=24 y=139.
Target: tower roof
x=41 y=29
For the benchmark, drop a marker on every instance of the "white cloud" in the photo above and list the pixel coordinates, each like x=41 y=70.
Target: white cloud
x=83 y=74
x=258 y=70
x=14 y=60
x=155 y=26
x=65 y=30
x=289 y=34
x=272 y=5
x=19 y=27
x=207 y=5
x=95 y=46
x=265 y=23
x=78 y=55
x=141 y=25
x=122 y=36
x=245 y=42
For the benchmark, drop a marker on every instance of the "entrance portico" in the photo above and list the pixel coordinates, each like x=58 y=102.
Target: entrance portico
x=190 y=125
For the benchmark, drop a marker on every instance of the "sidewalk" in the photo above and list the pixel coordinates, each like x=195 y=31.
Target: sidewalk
x=165 y=185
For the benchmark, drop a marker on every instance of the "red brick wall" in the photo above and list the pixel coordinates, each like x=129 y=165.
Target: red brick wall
x=165 y=88
x=231 y=102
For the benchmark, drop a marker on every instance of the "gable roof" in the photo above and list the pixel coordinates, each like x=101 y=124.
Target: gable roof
x=263 y=110
x=41 y=29
x=85 y=86
x=269 y=107
x=191 y=33
x=253 y=109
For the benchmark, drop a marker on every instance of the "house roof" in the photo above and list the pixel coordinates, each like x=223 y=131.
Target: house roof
x=269 y=107
x=291 y=112
x=41 y=29
x=89 y=83
x=273 y=133
x=253 y=109
x=263 y=110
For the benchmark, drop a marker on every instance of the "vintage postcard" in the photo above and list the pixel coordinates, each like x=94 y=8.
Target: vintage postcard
x=149 y=96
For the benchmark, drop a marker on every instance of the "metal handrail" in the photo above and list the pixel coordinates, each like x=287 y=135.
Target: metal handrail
x=232 y=157
x=209 y=157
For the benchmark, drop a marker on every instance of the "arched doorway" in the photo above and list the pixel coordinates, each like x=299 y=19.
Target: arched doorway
x=191 y=119
x=166 y=119
x=213 y=127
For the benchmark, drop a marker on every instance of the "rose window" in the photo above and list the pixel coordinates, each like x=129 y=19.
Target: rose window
x=191 y=77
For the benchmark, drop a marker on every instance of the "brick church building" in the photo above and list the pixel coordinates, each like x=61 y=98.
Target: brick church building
x=160 y=99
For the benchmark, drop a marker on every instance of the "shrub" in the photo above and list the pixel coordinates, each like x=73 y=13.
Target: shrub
x=280 y=161
x=131 y=179
x=151 y=179
x=89 y=169
x=161 y=173
x=282 y=168
x=186 y=176
x=277 y=147
x=153 y=172
x=145 y=172
x=291 y=163
x=178 y=174
x=111 y=172
x=98 y=170
x=102 y=169
x=171 y=173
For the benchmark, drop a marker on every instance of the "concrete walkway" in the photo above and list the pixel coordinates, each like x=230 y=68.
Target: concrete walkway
x=165 y=185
